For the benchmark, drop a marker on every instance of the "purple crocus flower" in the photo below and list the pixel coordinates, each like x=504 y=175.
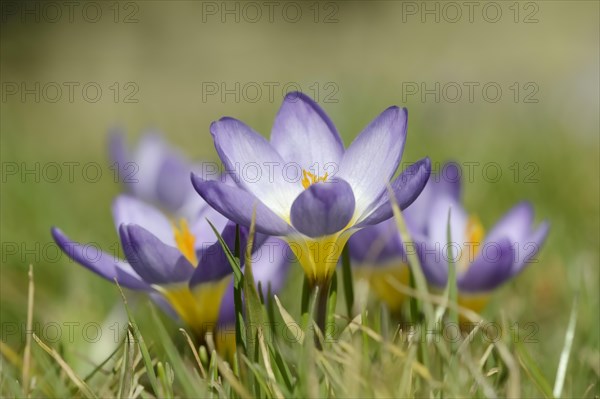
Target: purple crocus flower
x=155 y=172
x=305 y=186
x=483 y=262
x=182 y=266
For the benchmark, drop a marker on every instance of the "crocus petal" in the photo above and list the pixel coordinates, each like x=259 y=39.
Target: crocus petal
x=213 y=264
x=130 y=210
x=100 y=262
x=172 y=182
x=270 y=264
x=437 y=226
x=528 y=248
x=141 y=171
x=304 y=134
x=406 y=187
x=490 y=269
x=447 y=182
x=373 y=157
x=323 y=208
x=237 y=204
x=256 y=165
x=154 y=261
x=200 y=228
x=117 y=147
x=376 y=244
x=227 y=307
x=515 y=224
x=433 y=261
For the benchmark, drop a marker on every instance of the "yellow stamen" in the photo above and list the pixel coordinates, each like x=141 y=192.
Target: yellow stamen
x=185 y=241
x=309 y=178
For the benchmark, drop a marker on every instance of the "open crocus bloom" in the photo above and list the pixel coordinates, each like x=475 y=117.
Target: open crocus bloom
x=180 y=264
x=155 y=172
x=483 y=262
x=305 y=186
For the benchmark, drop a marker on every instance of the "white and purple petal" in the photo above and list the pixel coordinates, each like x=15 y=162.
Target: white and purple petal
x=373 y=157
x=152 y=259
x=516 y=224
x=130 y=210
x=270 y=264
x=406 y=187
x=527 y=249
x=490 y=269
x=442 y=208
x=304 y=134
x=377 y=244
x=256 y=165
x=102 y=263
x=323 y=208
x=213 y=264
x=237 y=205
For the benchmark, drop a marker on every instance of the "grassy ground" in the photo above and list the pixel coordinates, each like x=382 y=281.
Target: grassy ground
x=371 y=56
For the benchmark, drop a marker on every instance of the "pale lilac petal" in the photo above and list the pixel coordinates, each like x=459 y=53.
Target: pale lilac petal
x=434 y=262
x=377 y=244
x=515 y=224
x=237 y=205
x=102 y=263
x=256 y=165
x=490 y=269
x=173 y=185
x=527 y=249
x=227 y=310
x=373 y=157
x=323 y=208
x=406 y=187
x=143 y=171
x=270 y=264
x=304 y=134
x=200 y=228
x=447 y=182
x=130 y=210
x=154 y=261
x=213 y=263
x=437 y=226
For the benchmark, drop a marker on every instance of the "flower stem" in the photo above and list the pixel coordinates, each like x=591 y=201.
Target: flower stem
x=321 y=309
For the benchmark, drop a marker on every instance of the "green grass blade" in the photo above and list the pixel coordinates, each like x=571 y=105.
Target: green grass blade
x=561 y=373
x=141 y=344
x=347 y=280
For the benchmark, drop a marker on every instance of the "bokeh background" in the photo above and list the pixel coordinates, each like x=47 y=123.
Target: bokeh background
x=159 y=63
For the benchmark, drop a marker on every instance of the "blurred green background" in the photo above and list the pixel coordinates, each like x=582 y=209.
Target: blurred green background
x=154 y=62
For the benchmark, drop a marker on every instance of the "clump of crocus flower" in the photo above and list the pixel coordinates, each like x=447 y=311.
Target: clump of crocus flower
x=180 y=263
x=308 y=188
x=483 y=262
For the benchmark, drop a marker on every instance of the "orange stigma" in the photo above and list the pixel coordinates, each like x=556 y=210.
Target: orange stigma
x=185 y=241
x=309 y=178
